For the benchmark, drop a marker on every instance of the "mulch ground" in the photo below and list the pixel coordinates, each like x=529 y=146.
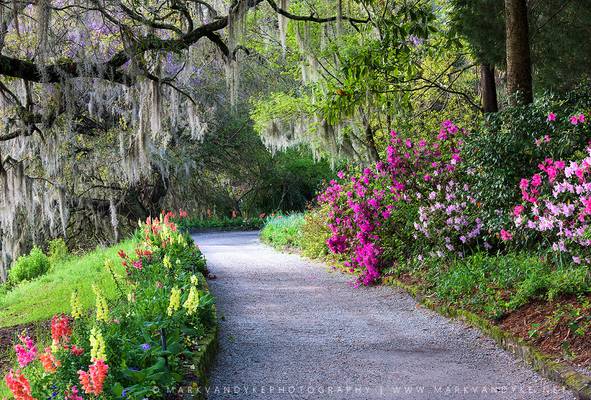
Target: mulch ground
x=560 y=328
x=9 y=335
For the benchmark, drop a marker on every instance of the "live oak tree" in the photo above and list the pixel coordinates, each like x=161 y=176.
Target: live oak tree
x=95 y=94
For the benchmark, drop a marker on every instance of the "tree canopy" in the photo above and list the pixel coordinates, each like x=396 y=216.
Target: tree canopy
x=112 y=110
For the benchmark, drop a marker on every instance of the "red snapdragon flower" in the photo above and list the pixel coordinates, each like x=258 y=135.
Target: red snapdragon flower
x=60 y=329
x=19 y=385
x=49 y=362
x=92 y=381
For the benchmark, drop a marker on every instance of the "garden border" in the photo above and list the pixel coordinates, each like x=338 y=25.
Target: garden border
x=547 y=367
x=203 y=359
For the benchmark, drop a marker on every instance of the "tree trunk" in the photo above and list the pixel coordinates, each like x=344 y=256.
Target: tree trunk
x=371 y=144
x=488 y=89
x=519 y=78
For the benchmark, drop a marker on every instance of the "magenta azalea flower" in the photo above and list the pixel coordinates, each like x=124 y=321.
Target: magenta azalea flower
x=506 y=235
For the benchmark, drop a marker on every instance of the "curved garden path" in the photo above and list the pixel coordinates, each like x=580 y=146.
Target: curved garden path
x=290 y=329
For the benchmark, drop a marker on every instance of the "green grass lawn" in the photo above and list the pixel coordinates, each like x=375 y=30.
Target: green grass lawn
x=50 y=294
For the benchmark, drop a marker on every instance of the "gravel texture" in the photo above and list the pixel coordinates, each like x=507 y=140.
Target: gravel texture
x=292 y=329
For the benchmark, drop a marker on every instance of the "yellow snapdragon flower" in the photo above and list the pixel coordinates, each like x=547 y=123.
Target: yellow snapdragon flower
x=109 y=265
x=75 y=305
x=175 y=301
x=102 y=309
x=192 y=301
x=166 y=262
x=97 y=345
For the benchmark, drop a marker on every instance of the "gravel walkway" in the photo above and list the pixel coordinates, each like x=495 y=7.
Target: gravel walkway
x=290 y=329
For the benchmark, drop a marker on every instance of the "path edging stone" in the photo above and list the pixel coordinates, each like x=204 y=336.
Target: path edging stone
x=556 y=371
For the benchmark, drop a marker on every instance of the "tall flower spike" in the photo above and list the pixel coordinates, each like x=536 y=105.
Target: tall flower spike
x=192 y=301
x=49 y=362
x=97 y=345
x=166 y=262
x=92 y=381
x=60 y=330
x=18 y=385
x=175 y=301
x=25 y=352
x=75 y=305
x=102 y=309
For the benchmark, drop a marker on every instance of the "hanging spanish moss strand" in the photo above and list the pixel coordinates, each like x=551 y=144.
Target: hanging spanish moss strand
x=114 y=219
x=284 y=5
x=155 y=109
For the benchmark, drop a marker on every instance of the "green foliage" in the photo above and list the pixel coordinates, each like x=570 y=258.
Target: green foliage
x=496 y=285
x=393 y=72
x=280 y=109
x=398 y=241
x=482 y=23
x=236 y=173
x=290 y=182
x=314 y=233
x=29 y=267
x=220 y=223
x=307 y=232
x=58 y=251
x=504 y=150
x=283 y=230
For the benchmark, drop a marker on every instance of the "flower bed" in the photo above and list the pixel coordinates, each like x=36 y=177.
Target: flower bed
x=141 y=344
x=415 y=184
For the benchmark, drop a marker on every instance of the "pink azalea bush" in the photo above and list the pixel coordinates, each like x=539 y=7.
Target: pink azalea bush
x=420 y=173
x=422 y=201
x=557 y=205
x=448 y=220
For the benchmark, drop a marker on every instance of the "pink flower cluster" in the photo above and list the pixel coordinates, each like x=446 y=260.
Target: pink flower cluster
x=26 y=351
x=362 y=203
x=447 y=219
x=92 y=381
x=557 y=205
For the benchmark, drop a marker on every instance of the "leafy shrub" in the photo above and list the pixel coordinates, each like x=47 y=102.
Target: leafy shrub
x=510 y=144
x=368 y=210
x=556 y=204
x=58 y=251
x=221 y=223
x=314 y=233
x=283 y=231
x=28 y=267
